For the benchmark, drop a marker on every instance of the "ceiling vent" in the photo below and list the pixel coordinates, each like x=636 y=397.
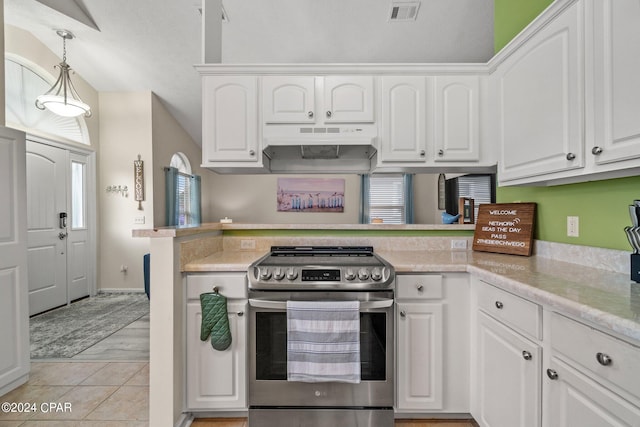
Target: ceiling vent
x=403 y=11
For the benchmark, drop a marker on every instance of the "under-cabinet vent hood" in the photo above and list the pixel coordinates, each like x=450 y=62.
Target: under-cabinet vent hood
x=311 y=149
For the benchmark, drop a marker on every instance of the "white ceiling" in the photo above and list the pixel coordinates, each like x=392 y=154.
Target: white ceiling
x=153 y=44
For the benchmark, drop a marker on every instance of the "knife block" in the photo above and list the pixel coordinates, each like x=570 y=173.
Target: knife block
x=635 y=267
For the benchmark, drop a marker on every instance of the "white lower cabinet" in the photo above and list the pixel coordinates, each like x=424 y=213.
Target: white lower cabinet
x=592 y=379
x=508 y=359
x=509 y=368
x=432 y=343
x=216 y=380
x=567 y=374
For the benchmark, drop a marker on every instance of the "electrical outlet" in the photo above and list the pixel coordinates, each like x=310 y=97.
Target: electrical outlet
x=458 y=244
x=138 y=220
x=573 y=226
x=247 y=244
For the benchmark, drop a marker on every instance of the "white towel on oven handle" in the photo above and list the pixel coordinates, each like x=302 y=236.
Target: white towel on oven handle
x=323 y=341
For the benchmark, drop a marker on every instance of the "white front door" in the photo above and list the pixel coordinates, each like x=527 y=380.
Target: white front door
x=59 y=256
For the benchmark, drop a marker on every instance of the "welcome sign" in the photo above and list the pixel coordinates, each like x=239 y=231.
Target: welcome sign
x=505 y=228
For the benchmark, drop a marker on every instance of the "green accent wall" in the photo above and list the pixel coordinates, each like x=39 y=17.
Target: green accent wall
x=602 y=206
x=511 y=16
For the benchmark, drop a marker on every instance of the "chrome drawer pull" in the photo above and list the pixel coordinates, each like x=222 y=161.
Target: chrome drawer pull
x=553 y=375
x=240 y=313
x=403 y=313
x=527 y=355
x=419 y=288
x=604 y=359
x=499 y=305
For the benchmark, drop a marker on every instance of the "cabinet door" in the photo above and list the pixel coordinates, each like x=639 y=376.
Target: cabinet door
x=540 y=98
x=348 y=99
x=616 y=65
x=288 y=99
x=403 y=129
x=216 y=379
x=457 y=118
x=230 y=119
x=573 y=399
x=419 y=356
x=509 y=370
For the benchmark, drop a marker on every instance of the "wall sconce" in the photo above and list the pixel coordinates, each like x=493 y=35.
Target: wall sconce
x=123 y=190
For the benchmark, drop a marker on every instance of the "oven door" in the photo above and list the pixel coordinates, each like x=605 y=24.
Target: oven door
x=268 y=385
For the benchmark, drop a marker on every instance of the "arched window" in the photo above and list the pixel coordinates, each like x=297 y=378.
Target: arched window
x=23 y=85
x=183 y=193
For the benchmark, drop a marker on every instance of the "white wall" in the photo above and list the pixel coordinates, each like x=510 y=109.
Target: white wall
x=125 y=132
x=169 y=138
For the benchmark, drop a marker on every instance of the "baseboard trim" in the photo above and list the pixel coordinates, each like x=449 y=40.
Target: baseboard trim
x=121 y=291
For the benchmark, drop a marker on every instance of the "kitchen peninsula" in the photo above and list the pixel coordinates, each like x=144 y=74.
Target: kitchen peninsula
x=545 y=286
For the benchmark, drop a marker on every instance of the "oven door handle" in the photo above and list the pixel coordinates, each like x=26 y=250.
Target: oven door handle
x=282 y=305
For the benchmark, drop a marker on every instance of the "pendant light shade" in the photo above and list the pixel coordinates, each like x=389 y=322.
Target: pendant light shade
x=62 y=99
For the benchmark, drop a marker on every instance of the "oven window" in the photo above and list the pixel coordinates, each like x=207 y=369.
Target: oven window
x=271 y=346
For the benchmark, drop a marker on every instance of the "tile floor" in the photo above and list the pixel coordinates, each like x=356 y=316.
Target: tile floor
x=82 y=393
x=241 y=422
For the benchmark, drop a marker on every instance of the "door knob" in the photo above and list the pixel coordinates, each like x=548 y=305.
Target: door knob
x=62 y=235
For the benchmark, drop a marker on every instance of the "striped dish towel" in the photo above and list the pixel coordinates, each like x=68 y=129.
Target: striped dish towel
x=323 y=341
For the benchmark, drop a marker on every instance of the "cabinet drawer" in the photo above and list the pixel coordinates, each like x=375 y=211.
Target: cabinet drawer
x=419 y=286
x=517 y=312
x=230 y=285
x=589 y=348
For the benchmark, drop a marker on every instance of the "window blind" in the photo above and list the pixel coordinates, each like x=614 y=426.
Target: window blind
x=184 y=199
x=387 y=198
x=478 y=187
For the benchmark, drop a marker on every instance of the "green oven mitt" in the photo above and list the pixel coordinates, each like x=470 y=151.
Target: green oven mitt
x=215 y=321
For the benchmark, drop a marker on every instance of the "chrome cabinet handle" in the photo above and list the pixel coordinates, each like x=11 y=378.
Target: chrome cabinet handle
x=252 y=152
x=527 y=355
x=499 y=305
x=403 y=313
x=596 y=150
x=604 y=359
x=440 y=153
x=328 y=113
x=422 y=153
x=240 y=313
x=552 y=374
x=419 y=287
x=571 y=156
x=310 y=114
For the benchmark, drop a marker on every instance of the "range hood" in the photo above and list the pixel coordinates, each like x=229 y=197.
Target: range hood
x=320 y=149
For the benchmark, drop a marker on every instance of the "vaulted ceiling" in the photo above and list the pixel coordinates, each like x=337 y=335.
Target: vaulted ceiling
x=135 y=45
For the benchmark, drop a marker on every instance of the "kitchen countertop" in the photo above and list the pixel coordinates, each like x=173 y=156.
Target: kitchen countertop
x=608 y=300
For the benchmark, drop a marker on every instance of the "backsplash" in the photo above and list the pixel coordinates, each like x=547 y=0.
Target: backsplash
x=588 y=256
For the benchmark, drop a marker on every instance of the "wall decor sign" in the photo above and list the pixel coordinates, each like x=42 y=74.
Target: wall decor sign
x=310 y=195
x=138 y=181
x=505 y=228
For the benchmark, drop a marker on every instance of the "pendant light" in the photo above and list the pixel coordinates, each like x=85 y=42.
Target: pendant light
x=62 y=99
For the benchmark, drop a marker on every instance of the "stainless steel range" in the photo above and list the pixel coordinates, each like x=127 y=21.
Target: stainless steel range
x=320 y=274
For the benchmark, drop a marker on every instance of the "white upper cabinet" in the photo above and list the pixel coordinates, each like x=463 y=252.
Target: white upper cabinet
x=348 y=99
x=318 y=100
x=288 y=99
x=404 y=130
x=540 y=101
x=230 y=120
x=616 y=81
x=457 y=118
